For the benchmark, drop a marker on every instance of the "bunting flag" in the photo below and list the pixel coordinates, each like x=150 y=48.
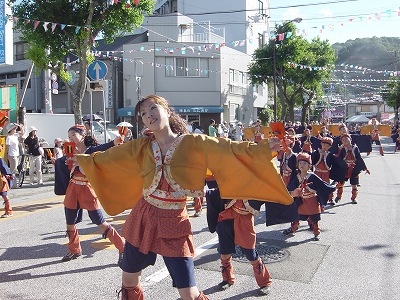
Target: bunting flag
x=376 y=16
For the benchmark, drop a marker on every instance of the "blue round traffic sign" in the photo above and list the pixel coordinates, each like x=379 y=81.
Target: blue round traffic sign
x=97 y=70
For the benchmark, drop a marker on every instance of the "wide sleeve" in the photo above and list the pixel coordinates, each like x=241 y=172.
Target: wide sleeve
x=360 y=163
x=322 y=188
x=215 y=205
x=243 y=170
x=116 y=175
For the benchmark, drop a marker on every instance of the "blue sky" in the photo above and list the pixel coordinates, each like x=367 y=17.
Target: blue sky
x=339 y=20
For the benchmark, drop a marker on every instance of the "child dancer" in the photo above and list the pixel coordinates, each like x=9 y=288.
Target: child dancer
x=287 y=160
x=355 y=164
x=322 y=161
x=235 y=226
x=80 y=195
x=311 y=193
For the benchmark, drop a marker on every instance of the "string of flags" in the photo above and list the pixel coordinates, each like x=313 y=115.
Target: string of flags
x=348 y=68
x=47 y=25
x=128 y=3
x=332 y=68
x=377 y=16
x=215 y=46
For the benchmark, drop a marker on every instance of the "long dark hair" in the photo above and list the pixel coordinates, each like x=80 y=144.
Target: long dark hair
x=177 y=124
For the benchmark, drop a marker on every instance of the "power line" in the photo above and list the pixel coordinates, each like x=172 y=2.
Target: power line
x=251 y=10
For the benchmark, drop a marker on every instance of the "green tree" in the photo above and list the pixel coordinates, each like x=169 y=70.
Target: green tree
x=319 y=55
x=391 y=95
x=266 y=115
x=300 y=69
x=84 y=20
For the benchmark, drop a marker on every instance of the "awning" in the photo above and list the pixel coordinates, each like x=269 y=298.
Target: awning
x=126 y=111
x=198 y=109
x=358 y=119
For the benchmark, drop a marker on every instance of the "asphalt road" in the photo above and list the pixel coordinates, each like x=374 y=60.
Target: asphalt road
x=357 y=256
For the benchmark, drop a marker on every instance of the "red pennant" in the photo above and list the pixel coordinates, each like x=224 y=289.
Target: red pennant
x=136 y=2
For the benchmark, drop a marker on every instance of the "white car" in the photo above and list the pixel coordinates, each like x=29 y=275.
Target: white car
x=98 y=132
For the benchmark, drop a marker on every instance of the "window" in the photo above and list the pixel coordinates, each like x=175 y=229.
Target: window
x=258 y=89
x=261 y=41
x=237 y=82
x=138 y=67
x=2 y=83
x=11 y=75
x=3 y=76
x=21 y=84
x=186 y=67
x=261 y=7
x=233 y=112
x=22 y=74
x=174 y=6
x=20 y=49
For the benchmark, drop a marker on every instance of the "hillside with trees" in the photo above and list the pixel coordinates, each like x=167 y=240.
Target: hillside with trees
x=365 y=65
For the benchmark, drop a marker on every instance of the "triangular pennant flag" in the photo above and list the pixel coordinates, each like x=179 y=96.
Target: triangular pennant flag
x=136 y=2
x=63 y=26
x=45 y=25
x=77 y=29
x=35 y=24
x=27 y=22
x=53 y=26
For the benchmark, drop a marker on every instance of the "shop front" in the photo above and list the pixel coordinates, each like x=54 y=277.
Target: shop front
x=200 y=116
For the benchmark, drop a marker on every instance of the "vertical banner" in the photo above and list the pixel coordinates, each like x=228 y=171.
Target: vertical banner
x=6 y=35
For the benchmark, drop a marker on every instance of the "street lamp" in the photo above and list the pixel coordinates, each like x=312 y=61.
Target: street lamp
x=297 y=20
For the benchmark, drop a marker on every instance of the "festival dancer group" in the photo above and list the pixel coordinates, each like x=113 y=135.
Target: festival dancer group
x=167 y=165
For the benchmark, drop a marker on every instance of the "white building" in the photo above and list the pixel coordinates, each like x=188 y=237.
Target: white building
x=237 y=21
x=202 y=81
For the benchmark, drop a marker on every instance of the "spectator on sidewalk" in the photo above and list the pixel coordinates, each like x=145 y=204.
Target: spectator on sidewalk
x=212 y=131
x=35 y=152
x=12 y=145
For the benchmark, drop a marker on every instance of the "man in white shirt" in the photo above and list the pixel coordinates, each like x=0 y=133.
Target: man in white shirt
x=12 y=143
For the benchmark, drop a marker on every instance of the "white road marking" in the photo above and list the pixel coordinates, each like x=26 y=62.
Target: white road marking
x=163 y=273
